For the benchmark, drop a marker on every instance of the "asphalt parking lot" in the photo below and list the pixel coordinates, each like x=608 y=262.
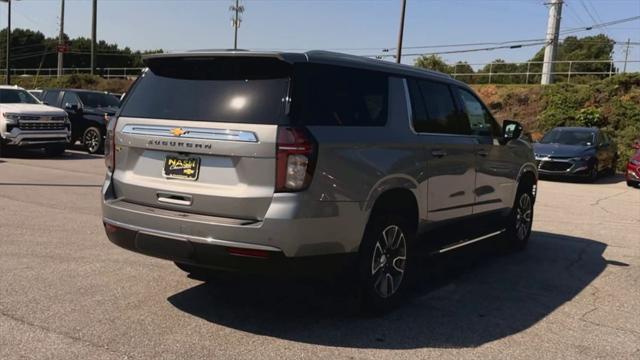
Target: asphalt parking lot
x=67 y=293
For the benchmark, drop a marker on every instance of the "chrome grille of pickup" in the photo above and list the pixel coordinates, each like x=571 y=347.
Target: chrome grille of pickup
x=42 y=125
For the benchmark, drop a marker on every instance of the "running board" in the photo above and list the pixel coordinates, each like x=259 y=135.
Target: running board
x=466 y=242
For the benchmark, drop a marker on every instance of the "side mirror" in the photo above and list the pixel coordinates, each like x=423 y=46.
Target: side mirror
x=511 y=130
x=636 y=146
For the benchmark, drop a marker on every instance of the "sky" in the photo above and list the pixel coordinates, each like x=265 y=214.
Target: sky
x=363 y=27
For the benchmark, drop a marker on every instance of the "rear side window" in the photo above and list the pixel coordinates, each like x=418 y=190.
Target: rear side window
x=339 y=96
x=51 y=98
x=218 y=89
x=434 y=108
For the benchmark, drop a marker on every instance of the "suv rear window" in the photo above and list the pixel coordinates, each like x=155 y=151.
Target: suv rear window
x=339 y=96
x=219 y=89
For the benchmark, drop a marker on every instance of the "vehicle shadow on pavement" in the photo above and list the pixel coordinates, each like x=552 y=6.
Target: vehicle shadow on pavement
x=464 y=299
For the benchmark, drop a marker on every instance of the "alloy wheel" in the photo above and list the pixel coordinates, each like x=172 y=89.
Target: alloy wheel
x=92 y=140
x=388 y=263
x=524 y=213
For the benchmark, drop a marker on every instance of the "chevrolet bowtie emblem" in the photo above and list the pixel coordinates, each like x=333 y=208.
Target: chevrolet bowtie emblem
x=178 y=132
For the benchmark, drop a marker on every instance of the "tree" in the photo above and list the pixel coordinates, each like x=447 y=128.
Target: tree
x=433 y=62
x=32 y=50
x=501 y=69
x=464 y=72
x=598 y=47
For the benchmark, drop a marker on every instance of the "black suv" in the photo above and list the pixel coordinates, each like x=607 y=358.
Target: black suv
x=88 y=111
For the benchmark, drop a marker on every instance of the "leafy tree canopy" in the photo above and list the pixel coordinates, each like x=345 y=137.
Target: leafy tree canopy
x=32 y=49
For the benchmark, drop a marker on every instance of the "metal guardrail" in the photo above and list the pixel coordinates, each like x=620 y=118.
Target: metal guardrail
x=531 y=71
x=108 y=73
x=524 y=72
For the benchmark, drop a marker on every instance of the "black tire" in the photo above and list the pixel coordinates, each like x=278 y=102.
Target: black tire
x=633 y=183
x=55 y=149
x=3 y=151
x=93 y=140
x=520 y=221
x=383 y=282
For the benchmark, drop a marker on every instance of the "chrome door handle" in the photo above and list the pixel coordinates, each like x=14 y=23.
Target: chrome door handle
x=439 y=153
x=483 y=153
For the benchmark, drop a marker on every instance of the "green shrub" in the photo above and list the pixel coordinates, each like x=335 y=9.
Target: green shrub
x=589 y=117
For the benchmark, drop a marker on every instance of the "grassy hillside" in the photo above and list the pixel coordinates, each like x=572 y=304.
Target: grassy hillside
x=612 y=104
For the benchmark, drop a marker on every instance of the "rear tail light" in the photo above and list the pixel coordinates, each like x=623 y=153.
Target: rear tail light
x=295 y=159
x=110 y=144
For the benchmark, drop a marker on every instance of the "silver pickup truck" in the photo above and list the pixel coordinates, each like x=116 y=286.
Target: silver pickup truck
x=26 y=122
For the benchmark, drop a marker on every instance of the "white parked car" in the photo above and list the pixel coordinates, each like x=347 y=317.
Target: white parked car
x=26 y=122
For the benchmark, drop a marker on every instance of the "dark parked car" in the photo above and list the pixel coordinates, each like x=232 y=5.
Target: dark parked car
x=88 y=111
x=575 y=151
x=633 y=168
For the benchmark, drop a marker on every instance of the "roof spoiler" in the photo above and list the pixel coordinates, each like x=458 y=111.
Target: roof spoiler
x=286 y=57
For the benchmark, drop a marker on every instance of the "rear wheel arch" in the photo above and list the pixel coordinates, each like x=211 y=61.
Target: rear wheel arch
x=386 y=250
x=399 y=201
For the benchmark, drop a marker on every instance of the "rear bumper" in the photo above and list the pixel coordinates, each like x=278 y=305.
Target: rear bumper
x=292 y=228
x=213 y=256
x=34 y=138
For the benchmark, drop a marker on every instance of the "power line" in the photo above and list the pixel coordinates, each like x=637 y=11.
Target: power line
x=598 y=25
x=575 y=14
x=462 y=51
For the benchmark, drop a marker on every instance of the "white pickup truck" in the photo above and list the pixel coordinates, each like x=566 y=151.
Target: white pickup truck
x=26 y=122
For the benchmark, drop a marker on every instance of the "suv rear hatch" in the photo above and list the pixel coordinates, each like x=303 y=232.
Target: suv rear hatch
x=198 y=134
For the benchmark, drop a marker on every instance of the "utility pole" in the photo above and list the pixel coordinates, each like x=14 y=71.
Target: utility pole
x=61 y=40
x=551 y=47
x=235 y=21
x=94 y=20
x=626 y=55
x=401 y=33
x=8 y=64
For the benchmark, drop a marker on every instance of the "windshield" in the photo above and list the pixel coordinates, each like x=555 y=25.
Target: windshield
x=569 y=137
x=98 y=100
x=17 y=96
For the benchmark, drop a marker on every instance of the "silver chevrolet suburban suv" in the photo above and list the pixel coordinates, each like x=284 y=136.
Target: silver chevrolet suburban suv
x=27 y=123
x=258 y=161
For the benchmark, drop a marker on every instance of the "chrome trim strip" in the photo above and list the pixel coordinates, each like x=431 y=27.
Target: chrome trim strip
x=190 y=238
x=467 y=242
x=191 y=133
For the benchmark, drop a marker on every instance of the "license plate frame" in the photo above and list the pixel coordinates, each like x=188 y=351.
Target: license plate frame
x=181 y=167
